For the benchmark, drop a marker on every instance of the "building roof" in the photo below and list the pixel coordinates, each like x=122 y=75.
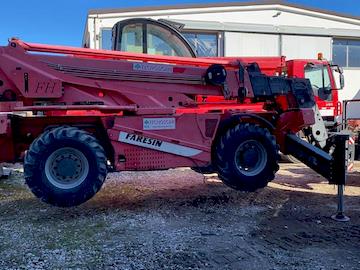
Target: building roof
x=223 y=4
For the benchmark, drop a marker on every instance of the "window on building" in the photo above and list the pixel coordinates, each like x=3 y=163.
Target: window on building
x=106 y=34
x=346 y=53
x=204 y=44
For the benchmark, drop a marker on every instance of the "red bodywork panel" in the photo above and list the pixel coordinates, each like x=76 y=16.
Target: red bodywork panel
x=6 y=141
x=143 y=108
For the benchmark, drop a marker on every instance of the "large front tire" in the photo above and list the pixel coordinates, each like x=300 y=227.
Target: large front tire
x=65 y=166
x=246 y=157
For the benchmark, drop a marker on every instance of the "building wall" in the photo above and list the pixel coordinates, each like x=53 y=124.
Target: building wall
x=265 y=17
x=272 y=15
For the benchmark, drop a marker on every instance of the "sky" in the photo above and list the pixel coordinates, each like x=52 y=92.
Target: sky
x=63 y=21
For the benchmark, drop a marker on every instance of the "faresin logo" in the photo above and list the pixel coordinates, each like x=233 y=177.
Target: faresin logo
x=144 y=140
x=158 y=145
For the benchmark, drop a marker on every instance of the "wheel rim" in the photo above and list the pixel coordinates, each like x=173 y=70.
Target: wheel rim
x=66 y=168
x=250 y=157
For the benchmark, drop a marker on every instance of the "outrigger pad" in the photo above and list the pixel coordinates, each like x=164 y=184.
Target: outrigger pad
x=332 y=167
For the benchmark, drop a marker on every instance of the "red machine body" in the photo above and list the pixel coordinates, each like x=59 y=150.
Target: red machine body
x=143 y=112
x=90 y=86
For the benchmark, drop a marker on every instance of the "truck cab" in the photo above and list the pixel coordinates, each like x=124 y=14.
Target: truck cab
x=321 y=75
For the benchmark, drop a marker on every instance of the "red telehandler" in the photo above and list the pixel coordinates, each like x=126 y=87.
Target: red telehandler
x=73 y=114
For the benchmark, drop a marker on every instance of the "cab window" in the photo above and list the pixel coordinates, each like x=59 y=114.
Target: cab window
x=315 y=74
x=132 y=38
x=151 y=37
x=160 y=41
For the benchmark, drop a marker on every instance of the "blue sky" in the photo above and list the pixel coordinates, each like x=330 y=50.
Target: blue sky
x=62 y=22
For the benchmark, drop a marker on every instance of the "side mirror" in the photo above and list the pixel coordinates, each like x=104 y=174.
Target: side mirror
x=342 y=81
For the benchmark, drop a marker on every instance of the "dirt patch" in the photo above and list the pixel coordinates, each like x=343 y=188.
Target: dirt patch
x=178 y=219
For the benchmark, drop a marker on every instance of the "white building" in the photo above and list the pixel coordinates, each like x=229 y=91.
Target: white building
x=271 y=28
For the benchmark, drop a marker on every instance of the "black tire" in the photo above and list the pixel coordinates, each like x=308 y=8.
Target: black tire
x=246 y=157
x=65 y=166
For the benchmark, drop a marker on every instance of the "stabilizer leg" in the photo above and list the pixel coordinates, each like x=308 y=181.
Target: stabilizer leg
x=333 y=167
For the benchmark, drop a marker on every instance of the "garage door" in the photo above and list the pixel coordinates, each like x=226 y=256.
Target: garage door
x=305 y=47
x=247 y=44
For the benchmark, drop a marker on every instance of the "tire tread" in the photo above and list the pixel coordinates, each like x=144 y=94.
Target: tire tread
x=46 y=139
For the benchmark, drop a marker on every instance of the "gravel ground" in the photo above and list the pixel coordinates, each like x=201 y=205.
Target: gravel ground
x=179 y=219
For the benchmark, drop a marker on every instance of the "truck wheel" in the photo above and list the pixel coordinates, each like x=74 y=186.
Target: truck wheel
x=65 y=166
x=246 y=157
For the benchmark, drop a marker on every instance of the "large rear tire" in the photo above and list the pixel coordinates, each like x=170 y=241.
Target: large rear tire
x=246 y=157
x=65 y=166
